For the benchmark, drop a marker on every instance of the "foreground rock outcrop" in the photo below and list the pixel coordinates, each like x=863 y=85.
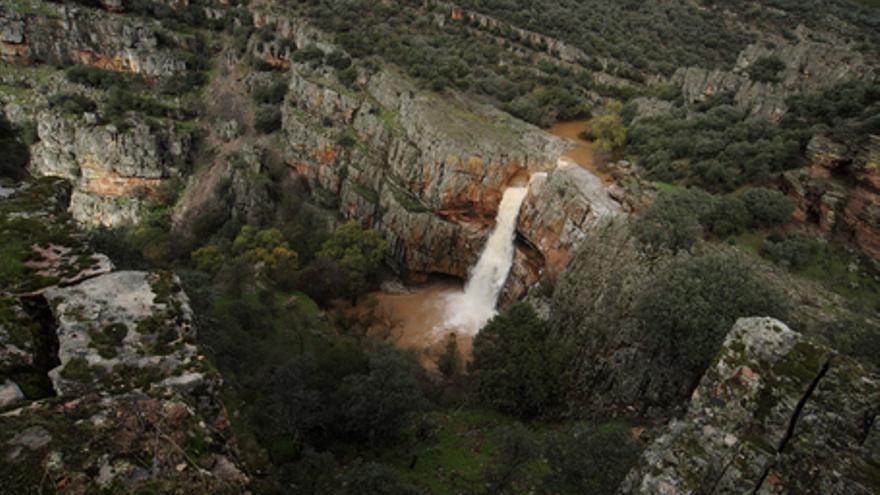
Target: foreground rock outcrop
x=775 y=413
x=101 y=385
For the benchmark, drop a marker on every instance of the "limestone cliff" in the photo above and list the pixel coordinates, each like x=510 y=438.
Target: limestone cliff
x=62 y=35
x=114 y=170
x=776 y=413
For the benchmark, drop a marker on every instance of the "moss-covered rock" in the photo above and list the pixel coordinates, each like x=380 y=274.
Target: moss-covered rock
x=776 y=413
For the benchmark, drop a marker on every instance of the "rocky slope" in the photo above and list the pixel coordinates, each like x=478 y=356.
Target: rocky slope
x=840 y=191
x=43 y=32
x=102 y=385
x=776 y=413
x=809 y=65
x=115 y=170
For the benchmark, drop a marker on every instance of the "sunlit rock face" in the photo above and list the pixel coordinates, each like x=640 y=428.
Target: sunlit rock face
x=114 y=171
x=776 y=413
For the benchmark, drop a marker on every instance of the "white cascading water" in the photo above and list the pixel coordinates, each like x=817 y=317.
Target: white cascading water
x=468 y=311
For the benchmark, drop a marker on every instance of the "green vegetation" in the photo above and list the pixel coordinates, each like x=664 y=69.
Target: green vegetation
x=767 y=69
x=690 y=306
x=719 y=149
x=516 y=368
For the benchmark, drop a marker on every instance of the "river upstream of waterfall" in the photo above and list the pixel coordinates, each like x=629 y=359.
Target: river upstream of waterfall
x=424 y=317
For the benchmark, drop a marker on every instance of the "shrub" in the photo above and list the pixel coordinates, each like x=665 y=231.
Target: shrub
x=270 y=94
x=768 y=208
x=94 y=77
x=516 y=367
x=729 y=216
x=767 y=69
x=673 y=221
x=14 y=154
x=793 y=251
x=268 y=119
x=72 y=103
x=691 y=306
x=590 y=460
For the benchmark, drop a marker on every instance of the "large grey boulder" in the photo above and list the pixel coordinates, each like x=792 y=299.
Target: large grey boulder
x=775 y=413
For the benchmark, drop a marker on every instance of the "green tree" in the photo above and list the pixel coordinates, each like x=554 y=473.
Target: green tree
x=375 y=406
x=517 y=448
x=690 y=306
x=672 y=222
x=768 y=208
x=606 y=128
x=587 y=459
x=516 y=367
x=358 y=252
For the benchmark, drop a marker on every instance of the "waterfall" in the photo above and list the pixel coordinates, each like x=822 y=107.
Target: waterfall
x=468 y=311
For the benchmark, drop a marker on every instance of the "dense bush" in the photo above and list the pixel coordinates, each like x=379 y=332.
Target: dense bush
x=719 y=149
x=768 y=208
x=270 y=94
x=72 y=103
x=793 y=251
x=767 y=69
x=590 y=460
x=96 y=78
x=673 y=220
x=516 y=368
x=690 y=307
x=268 y=119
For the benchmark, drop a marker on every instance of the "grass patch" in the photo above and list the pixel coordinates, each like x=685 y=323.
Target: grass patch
x=455 y=455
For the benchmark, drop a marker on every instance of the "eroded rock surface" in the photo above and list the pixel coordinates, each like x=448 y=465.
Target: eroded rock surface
x=775 y=413
x=810 y=65
x=840 y=191
x=114 y=170
x=101 y=385
x=65 y=35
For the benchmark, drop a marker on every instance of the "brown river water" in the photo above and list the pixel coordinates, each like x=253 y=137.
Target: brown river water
x=583 y=153
x=418 y=320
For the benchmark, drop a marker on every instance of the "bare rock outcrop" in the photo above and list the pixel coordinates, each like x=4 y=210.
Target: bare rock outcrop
x=840 y=190
x=64 y=35
x=114 y=170
x=809 y=65
x=102 y=387
x=775 y=413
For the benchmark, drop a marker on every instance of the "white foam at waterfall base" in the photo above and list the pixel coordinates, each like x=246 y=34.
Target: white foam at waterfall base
x=468 y=311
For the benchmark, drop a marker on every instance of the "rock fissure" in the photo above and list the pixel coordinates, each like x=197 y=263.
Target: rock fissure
x=792 y=424
x=45 y=340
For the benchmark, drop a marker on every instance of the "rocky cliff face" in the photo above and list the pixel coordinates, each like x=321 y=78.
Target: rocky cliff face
x=809 y=66
x=840 y=191
x=101 y=385
x=114 y=170
x=427 y=172
x=62 y=35
x=776 y=413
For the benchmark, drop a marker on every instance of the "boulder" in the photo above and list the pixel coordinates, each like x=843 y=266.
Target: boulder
x=775 y=413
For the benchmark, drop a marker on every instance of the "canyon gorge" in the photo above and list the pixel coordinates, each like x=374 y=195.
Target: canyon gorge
x=430 y=247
